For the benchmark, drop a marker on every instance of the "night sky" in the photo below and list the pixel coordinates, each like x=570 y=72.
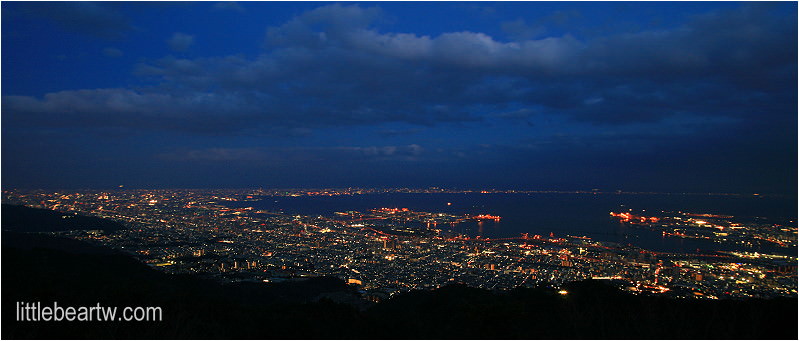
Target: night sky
x=665 y=96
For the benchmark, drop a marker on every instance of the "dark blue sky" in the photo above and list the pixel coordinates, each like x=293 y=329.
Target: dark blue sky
x=663 y=96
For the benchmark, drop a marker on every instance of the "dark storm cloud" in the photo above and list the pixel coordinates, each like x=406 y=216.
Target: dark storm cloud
x=93 y=18
x=746 y=43
x=283 y=155
x=330 y=67
x=123 y=108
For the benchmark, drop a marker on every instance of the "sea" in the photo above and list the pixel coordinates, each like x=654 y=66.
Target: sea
x=561 y=214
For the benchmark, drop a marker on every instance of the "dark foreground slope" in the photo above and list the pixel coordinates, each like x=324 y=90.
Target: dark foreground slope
x=591 y=310
x=47 y=269
x=81 y=275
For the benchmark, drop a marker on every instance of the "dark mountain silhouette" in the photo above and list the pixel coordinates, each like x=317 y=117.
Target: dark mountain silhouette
x=26 y=219
x=41 y=268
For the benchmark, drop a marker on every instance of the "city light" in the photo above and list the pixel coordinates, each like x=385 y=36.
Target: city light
x=206 y=233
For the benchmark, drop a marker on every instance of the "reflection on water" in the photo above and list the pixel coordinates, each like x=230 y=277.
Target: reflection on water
x=560 y=214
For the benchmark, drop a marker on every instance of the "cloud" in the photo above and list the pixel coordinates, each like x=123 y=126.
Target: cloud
x=329 y=67
x=481 y=9
x=294 y=155
x=520 y=30
x=180 y=41
x=109 y=108
x=112 y=52
x=399 y=132
x=93 y=18
x=229 y=5
x=523 y=113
